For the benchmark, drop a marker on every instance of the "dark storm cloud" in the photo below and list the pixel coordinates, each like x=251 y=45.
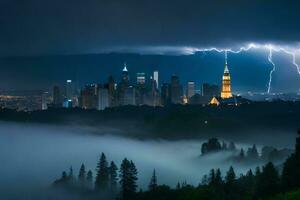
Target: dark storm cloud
x=78 y=26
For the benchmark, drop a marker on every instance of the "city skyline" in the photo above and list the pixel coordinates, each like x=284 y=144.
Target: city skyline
x=28 y=73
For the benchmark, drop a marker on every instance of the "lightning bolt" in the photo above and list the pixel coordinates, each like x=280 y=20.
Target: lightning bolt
x=270 y=59
x=293 y=58
x=269 y=47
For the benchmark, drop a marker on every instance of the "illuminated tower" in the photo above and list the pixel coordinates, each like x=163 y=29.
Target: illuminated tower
x=125 y=76
x=226 y=85
x=155 y=78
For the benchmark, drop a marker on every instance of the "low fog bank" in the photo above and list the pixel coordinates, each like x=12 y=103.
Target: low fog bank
x=33 y=156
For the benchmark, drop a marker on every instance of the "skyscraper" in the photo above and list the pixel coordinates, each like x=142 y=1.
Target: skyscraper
x=176 y=90
x=141 y=89
x=129 y=96
x=152 y=93
x=112 y=91
x=155 y=78
x=103 y=97
x=226 y=82
x=125 y=75
x=209 y=90
x=57 y=97
x=88 y=98
x=124 y=84
x=69 y=89
x=165 y=94
x=190 y=89
x=44 y=100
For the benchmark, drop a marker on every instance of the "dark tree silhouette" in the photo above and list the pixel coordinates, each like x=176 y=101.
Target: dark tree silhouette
x=71 y=178
x=242 y=154
x=232 y=146
x=252 y=153
x=153 y=181
x=212 y=145
x=134 y=173
x=263 y=185
x=231 y=186
x=212 y=177
x=89 y=179
x=178 y=186
x=205 y=180
x=113 y=176
x=128 y=178
x=257 y=171
x=250 y=181
x=230 y=176
x=268 y=182
x=102 y=176
x=82 y=175
x=218 y=177
x=291 y=172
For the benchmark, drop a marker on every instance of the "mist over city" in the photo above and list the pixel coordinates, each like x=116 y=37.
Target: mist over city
x=164 y=100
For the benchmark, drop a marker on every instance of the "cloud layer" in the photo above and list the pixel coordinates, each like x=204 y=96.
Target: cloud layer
x=77 y=26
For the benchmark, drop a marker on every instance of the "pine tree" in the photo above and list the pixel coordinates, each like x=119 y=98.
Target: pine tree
x=153 y=181
x=257 y=172
x=183 y=184
x=212 y=177
x=231 y=186
x=102 y=176
x=71 y=172
x=218 y=178
x=64 y=178
x=71 y=176
x=290 y=173
x=230 y=176
x=252 y=153
x=250 y=173
x=128 y=178
x=178 y=186
x=255 y=152
x=64 y=175
x=133 y=173
x=89 y=179
x=232 y=146
x=242 y=154
x=113 y=176
x=218 y=186
x=82 y=175
x=250 y=182
x=268 y=182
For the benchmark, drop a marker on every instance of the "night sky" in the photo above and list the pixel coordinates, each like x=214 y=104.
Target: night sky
x=33 y=31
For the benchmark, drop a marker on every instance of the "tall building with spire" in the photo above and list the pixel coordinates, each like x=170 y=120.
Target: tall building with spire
x=125 y=75
x=226 y=82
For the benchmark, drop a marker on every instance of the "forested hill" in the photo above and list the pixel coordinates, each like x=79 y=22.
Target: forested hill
x=173 y=121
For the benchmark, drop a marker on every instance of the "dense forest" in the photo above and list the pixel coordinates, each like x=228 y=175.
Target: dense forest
x=265 y=183
x=174 y=121
x=245 y=156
